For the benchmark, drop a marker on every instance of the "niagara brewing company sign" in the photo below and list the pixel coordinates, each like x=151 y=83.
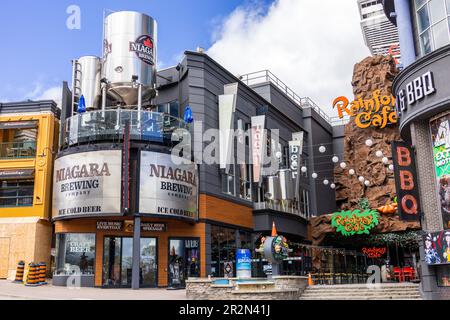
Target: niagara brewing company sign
x=167 y=187
x=87 y=184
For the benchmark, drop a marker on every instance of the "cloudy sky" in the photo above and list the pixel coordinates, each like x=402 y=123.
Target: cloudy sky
x=310 y=45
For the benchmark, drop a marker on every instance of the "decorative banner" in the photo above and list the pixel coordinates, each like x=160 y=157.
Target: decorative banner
x=377 y=112
x=227 y=107
x=258 y=145
x=295 y=152
x=437 y=247
x=167 y=189
x=406 y=181
x=243 y=263
x=374 y=252
x=354 y=222
x=87 y=183
x=440 y=133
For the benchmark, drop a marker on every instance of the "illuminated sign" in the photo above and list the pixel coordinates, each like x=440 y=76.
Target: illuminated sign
x=406 y=181
x=349 y=223
x=416 y=90
x=374 y=252
x=376 y=112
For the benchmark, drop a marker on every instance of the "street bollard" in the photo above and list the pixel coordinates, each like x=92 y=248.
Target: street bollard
x=33 y=276
x=42 y=273
x=19 y=272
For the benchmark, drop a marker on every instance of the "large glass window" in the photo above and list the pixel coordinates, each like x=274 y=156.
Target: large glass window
x=75 y=253
x=16 y=193
x=245 y=181
x=228 y=182
x=223 y=249
x=433 y=24
x=171 y=108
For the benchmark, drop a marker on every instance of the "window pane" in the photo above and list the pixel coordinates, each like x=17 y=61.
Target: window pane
x=437 y=10
x=425 y=42
x=174 y=112
x=419 y=3
x=423 y=19
x=440 y=34
x=75 y=253
x=448 y=7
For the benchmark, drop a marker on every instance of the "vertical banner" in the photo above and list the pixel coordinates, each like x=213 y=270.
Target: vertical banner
x=227 y=107
x=295 y=154
x=440 y=134
x=243 y=263
x=258 y=145
x=406 y=181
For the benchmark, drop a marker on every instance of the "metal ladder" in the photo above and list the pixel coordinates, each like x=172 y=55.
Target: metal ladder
x=76 y=85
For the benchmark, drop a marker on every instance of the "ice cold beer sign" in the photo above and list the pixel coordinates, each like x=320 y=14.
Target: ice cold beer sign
x=166 y=188
x=87 y=184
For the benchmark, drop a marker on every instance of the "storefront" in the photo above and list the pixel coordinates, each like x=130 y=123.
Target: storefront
x=423 y=106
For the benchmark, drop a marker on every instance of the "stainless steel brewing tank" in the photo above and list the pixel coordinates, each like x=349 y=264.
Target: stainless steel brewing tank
x=87 y=80
x=129 y=49
x=272 y=188
x=286 y=184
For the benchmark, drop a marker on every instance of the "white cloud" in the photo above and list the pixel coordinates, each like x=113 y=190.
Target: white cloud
x=312 y=46
x=53 y=93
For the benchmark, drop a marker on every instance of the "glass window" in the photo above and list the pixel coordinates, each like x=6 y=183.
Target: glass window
x=437 y=10
x=16 y=193
x=440 y=34
x=423 y=18
x=75 y=253
x=448 y=6
x=419 y=3
x=223 y=249
x=443 y=276
x=174 y=109
x=228 y=181
x=425 y=42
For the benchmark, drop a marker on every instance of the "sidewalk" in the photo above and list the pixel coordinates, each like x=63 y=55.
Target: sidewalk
x=13 y=291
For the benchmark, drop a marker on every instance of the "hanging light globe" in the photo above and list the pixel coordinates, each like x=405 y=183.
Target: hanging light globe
x=322 y=149
x=351 y=172
x=367 y=183
x=361 y=179
x=385 y=160
x=304 y=169
x=326 y=182
x=379 y=153
x=391 y=167
x=335 y=159
x=333 y=186
x=343 y=165
x=369 y=142
x=314 y=175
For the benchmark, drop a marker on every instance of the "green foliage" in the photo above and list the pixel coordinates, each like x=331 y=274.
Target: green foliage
x=405 y=239
x=349 y=223
x=364 y=204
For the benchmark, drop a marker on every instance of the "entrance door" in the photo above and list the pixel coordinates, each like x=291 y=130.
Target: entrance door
x=118 y=262
x=4 y=257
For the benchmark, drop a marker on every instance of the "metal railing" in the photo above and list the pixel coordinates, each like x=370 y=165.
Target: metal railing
x=109 y=125
x=305 y=102
x=18 y=150
x=279 y=206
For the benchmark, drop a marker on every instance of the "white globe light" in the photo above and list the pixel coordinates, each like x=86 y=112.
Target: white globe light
x=379 y=153
x=361 y=179
x=369 y=142
x=278 y=155
x=314 y=175
x=335 y=159
x=333 y=186
x=326 y=182
x=343 y=165
x=351 y=172
x=367 y=183
x=391 y=167
x=304 y=169
x=385 y=160
x=322 y=149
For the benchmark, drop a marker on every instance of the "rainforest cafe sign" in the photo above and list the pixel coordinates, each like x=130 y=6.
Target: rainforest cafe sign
x=374 y=252
x=377 y=112
x=354 y=222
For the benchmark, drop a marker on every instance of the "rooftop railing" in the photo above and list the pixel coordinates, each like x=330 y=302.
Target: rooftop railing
x=303 y=102
x=109 y=125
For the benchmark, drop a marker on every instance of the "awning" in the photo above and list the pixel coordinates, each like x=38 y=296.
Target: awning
x=18 y=125
x=16 y=174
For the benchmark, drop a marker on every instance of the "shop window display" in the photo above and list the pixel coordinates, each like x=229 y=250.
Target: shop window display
x=75 y=253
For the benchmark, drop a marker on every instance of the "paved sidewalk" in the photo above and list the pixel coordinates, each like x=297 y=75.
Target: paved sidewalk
x=13 y=291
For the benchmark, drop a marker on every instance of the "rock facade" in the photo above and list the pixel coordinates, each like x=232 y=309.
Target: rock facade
x=373 y=73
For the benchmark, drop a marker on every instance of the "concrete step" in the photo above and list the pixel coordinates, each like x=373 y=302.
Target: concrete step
x=360 y=291
x=381 y=297
x=362 y=286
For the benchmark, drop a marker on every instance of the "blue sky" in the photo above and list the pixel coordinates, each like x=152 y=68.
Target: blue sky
x=36 y=46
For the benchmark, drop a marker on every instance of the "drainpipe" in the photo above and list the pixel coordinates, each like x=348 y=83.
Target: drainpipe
x=405 y=31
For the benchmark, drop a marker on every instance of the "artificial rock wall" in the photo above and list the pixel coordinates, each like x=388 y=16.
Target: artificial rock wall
x=373 y=73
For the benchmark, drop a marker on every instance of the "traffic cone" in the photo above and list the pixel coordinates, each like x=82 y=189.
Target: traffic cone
x=274 y=230
x=310 y=280
x=20 y=272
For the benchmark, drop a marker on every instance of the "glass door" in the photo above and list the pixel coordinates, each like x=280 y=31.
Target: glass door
x=118 y=262
x=184 y=261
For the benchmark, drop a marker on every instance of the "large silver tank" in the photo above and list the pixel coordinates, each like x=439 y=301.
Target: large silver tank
x=86 y=79
x=286 y=184
x=129 y=49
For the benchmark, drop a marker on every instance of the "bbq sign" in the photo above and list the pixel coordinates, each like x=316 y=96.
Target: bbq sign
x=87 y=184
x=167 y=189
x=143 y=47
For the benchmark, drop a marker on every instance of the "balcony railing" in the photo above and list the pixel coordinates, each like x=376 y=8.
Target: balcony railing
x=109 y=125
x=288 y=208
x=18 y=150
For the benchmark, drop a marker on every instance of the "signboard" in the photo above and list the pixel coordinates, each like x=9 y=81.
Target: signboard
x=18 y=125
x=258 y=145
x=110 y=225
x=406 y=181
x=440 y=133
x=16 y=174
x=374 y=252
x=437 y=247
x=87 y=184
x=153 y=227
x=349 y=223
x=167 y=189
x=228 y=269
x=243 y=263
x=414 y=91
x=295 y=153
